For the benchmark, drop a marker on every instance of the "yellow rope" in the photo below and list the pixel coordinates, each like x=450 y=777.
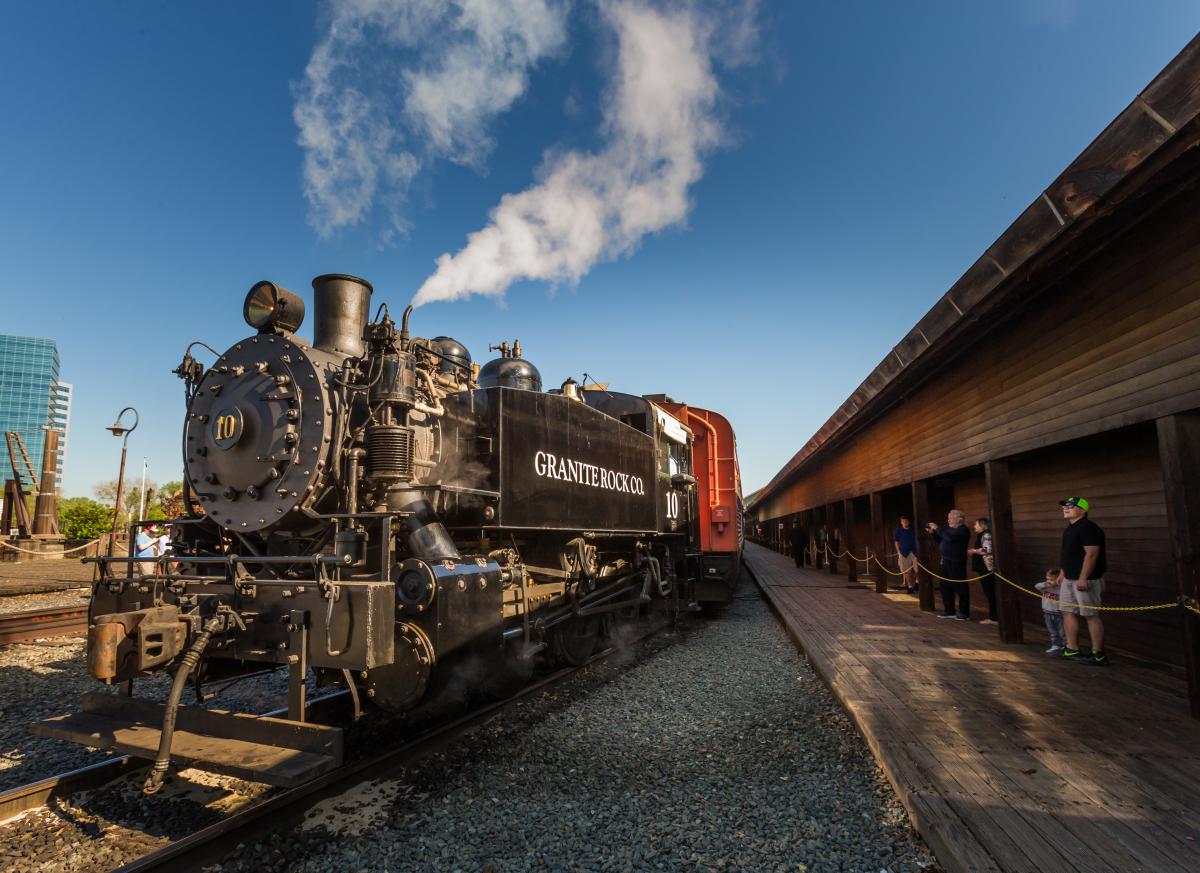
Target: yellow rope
x=875 y=558
x=1006 y=580
x=944 y=579
x=847 y=553
x=1146 y=608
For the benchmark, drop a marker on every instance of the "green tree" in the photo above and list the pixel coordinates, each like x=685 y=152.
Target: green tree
x=83 y=518
x=107 y=492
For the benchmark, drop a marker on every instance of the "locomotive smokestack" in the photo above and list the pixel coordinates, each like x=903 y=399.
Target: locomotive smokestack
x=342 y=308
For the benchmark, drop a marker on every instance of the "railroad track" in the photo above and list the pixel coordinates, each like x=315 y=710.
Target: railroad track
x=37 y=794
x=287 y=809
x=21 y=627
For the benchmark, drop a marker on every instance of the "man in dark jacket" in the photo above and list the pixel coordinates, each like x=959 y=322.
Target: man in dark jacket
x=952 y=545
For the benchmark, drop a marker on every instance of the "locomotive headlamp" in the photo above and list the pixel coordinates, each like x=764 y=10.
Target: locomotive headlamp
x=270 y=308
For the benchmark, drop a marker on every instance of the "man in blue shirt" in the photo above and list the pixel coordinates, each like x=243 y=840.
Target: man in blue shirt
x=144 y=550
x=905 y=539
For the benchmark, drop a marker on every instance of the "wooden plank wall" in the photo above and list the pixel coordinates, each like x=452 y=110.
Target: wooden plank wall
x=1123 y=481
x=1116 y=345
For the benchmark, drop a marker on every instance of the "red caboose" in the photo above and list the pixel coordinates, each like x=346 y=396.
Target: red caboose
x=717 y=557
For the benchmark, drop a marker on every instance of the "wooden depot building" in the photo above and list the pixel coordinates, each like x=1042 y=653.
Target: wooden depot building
x=1074 y=340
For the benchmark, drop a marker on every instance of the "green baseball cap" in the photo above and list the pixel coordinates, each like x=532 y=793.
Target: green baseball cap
x=1078 y=502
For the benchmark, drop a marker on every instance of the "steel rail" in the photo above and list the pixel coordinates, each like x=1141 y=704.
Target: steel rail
x=21 y=627
x=287 y=809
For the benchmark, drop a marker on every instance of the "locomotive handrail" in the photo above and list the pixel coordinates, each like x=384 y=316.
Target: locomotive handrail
x=231 y=558
x=714 y=480
x=399 y=513
x=230 y=562
x=459 y=489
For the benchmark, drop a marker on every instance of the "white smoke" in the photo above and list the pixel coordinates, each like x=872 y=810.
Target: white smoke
x=659 y=123
x=396 y=83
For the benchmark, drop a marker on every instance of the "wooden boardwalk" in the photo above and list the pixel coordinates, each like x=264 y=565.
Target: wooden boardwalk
x=1006 y=759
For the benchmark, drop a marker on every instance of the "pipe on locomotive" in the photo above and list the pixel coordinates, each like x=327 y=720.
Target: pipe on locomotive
x=342 y=307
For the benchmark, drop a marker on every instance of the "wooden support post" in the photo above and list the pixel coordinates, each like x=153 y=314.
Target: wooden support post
x=920 y=499
x=1179 y=456
x=1004 y=551
x=835 y=546
x=848 y=539
x=878 y=537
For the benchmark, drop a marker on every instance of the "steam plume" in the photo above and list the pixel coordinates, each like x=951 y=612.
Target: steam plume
x=659 y=123
x=394 y=84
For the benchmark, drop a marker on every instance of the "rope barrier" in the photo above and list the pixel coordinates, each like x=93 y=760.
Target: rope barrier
x=944 y=579
x=873 y=557
x=1145 y=608
x=847 y=553
x=49 y=554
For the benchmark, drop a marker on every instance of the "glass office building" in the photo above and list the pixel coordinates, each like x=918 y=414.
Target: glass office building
x=32 y=398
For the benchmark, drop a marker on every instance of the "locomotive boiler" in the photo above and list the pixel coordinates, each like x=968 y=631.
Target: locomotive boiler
x=375 y=509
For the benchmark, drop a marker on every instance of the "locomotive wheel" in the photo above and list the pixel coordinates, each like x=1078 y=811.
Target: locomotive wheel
x=573 y=642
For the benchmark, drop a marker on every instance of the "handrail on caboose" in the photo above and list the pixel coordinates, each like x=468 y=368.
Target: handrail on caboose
x=714 y=481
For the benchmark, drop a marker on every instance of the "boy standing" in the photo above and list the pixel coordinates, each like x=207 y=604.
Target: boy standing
x=1051 y=611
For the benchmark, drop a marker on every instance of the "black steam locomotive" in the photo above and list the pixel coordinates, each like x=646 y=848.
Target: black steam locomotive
x=378 y=510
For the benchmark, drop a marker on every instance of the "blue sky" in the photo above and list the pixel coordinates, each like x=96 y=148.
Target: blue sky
x=859 y=156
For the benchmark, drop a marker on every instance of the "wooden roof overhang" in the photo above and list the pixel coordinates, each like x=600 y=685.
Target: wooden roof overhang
x=1147 y=154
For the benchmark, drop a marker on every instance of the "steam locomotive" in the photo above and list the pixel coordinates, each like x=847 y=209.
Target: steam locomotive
x=377 y=509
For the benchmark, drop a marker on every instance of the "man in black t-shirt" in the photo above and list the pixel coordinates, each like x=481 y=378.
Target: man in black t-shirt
x=1081 y=580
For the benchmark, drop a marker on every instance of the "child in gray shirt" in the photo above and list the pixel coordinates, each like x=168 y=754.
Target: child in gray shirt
x=1052 y=612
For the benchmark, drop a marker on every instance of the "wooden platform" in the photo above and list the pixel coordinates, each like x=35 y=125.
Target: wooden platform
x=1006 y=759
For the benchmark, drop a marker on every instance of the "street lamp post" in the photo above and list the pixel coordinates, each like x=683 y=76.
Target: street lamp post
x=120 y=430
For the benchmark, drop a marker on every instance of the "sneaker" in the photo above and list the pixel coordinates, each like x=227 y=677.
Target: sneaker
x=962 y=618
x=1054 y=650
x=989 y=621
x=947 y=615
x=1097 y=659
x=1071 y=654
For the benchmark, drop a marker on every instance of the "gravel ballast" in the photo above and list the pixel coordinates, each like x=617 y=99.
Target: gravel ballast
x=48 y=678
x=101 y=829
x=66 y=599
x=721 y=752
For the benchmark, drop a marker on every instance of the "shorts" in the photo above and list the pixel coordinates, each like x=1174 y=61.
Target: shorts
x=1078 y=602
x=908 y=562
